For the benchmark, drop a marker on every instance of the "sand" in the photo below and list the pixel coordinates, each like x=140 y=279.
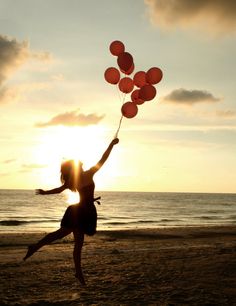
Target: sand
x=178 y=266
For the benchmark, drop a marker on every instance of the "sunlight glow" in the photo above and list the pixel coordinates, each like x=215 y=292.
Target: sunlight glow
x=61 y=143
x=72 y=197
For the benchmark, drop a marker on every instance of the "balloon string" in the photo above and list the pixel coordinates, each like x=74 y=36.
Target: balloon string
x=117 y=132
x=122 y=99
x=118 y=92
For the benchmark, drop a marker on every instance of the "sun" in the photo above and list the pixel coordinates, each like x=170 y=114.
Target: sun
x=62 y=143
x=71 y=143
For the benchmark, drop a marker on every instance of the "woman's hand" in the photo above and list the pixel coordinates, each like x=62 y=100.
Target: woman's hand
x=115 y=141
x=40 y=191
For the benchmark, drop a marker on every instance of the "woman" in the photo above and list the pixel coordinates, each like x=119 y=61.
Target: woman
x=79 y=218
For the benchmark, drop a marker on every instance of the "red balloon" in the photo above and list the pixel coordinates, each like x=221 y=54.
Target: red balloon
x=147 y=92
x=126 y=85
x=154 y=75
x=140 y=78
x=117 y=47
x=135 y=97
x=129 y=109
x=125 y=61
x=129 y=71
x=112 y=75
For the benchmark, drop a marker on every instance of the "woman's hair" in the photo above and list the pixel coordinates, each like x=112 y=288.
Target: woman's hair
x=70 y=172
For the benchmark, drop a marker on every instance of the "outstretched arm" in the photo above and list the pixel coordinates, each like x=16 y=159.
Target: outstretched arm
x=51 y=191
x=105 y=155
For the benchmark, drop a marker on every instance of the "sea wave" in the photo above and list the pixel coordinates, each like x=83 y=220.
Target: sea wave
x=118 y=210
x=19 y=222
x=12 y=222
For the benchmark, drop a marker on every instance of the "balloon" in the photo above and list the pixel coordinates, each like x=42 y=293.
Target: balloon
x=140 y=78
x=112 y=75
x=147 y=92
x=126 y=85
x=125 y=61
x=117 y=47
x=129 y=109
x=128 y=71
x=154 y=75
x=135 y=97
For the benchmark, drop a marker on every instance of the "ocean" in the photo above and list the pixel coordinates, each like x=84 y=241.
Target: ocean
x=23 y=211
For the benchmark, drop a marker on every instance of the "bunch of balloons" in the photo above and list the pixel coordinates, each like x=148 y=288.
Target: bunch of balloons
x=140 y=87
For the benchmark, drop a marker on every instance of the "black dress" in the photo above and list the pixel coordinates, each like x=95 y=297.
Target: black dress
x=82 y=216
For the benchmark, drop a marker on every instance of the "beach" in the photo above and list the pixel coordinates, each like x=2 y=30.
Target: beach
x=162 y=266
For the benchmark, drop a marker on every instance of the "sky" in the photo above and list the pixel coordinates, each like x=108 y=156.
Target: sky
x=55 y=103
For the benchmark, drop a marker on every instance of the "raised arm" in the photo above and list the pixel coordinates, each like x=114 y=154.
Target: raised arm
x=51 y=191
x=105 y=155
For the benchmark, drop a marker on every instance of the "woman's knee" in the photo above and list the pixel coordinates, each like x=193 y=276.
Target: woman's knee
x=63 y=232
x=79 y=237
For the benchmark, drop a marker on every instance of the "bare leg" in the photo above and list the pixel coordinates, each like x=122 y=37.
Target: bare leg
x=49 y=238
x=79 y=240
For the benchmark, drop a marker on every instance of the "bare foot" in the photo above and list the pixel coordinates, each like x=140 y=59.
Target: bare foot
x=80 y=278
x=31 y=250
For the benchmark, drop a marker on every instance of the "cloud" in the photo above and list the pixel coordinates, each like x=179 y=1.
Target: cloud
x=58 y=77
x=227 y=114
x=14 y=93
x=9 y=94
x=33 y=166
x=9 y=161
x=4 y=174
x=72 y=118
x=14 y=54
x=30 y=167
x=189 y=97
x=213 y=16
x=42 y=56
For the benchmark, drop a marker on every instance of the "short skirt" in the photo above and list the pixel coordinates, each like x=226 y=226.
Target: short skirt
x=81 y=217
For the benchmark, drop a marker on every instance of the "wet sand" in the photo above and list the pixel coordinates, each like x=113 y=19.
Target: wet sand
x=178 y=266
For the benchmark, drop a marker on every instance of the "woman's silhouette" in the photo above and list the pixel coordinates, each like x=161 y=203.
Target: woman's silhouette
x=79 y=218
